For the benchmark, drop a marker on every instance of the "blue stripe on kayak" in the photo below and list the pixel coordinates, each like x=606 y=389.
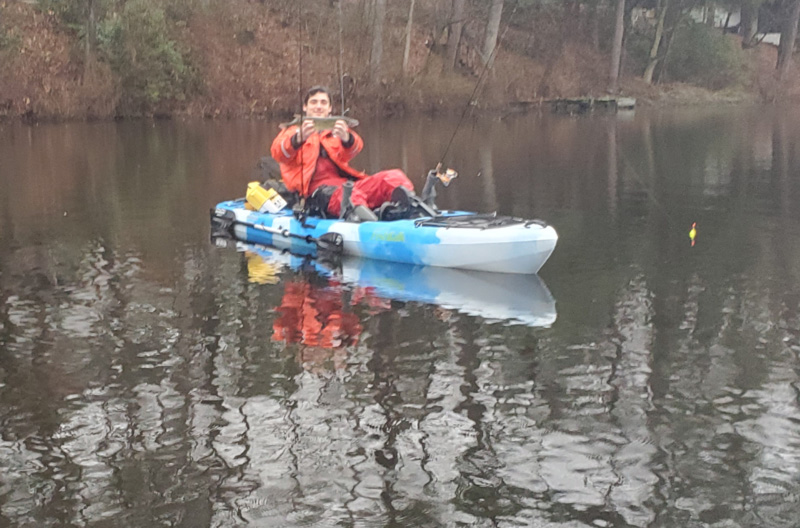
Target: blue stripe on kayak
x=399 y=241
x=314 y=227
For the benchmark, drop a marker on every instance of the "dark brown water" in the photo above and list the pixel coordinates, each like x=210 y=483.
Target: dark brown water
x=148 y=378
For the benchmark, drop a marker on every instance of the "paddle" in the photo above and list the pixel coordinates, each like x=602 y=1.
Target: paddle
x=329 y=242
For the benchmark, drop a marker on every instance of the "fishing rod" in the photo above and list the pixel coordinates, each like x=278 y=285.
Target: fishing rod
x=446 y=176
x=486 y=66
x=302 y=203
x=341 y=60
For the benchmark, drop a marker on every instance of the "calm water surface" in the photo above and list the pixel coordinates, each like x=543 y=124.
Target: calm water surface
x=148 y=378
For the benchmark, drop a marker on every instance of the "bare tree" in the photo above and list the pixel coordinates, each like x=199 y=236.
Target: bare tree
x=492 y=31
x=616 y=48
x=788 y=37
x=409 y=27
x=651 y=65
x=376 y=56
x=594 y=30
x=91 y=31
x=709 y=13
x=749 y=22
x=675 y=16
x=456 y=27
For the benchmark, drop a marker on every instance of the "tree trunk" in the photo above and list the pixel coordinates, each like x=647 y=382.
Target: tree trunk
x=616 y=48
x=595 y=25
x=409 y=27
x=677 y=15
x=454 y=37
x=783 y=176
x=651 y=66
x=572 y=17
x=788 y=37
x=612 y=167
x=627 y=25
x=492 y=31
x=91 y=31
x=749 y=25
x=377 y=43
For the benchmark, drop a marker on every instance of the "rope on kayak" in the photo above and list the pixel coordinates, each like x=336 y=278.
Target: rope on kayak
x=479 y=221
x=486 y=66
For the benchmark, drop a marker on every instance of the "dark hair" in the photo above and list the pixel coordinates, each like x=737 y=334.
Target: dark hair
x=314 y=90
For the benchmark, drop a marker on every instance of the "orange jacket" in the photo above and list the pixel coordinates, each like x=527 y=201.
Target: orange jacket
x=298 y=165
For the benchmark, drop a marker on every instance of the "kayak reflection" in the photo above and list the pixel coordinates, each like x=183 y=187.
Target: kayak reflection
x=510 y=298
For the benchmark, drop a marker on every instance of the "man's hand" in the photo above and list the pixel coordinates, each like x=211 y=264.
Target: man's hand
x=305 y=130
x=341 y=130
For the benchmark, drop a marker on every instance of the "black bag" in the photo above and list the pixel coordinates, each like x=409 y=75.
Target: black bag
x=317 y=203
x=269 y=172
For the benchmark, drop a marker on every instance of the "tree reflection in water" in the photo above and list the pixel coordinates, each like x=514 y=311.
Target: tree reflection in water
x=142 y=380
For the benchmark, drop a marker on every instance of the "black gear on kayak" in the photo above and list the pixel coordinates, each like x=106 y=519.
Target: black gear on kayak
x=317 y=203
x=362 y=213
x=416 y=207
x=269 y=172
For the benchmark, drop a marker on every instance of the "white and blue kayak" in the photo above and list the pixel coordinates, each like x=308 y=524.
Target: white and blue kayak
x=451 y=239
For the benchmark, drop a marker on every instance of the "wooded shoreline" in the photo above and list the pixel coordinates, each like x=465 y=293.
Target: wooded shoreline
x=101 y=59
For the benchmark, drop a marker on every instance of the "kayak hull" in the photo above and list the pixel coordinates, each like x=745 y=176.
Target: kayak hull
x=522 y=247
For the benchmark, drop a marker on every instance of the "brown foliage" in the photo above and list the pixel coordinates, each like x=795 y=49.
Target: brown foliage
x=247 y=54
x=42 y=77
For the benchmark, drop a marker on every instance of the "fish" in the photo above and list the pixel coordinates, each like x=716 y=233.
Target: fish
x=321 y=123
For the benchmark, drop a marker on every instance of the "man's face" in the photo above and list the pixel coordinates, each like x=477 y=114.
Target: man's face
x=318 y=105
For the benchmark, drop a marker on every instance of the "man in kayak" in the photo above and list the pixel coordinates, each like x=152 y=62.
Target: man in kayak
x=315 y=164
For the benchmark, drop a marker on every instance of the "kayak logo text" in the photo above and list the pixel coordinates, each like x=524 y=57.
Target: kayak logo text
x=389 y=237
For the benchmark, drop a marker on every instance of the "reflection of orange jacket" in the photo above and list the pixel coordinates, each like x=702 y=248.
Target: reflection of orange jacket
x=314 y=316
x=298 y=166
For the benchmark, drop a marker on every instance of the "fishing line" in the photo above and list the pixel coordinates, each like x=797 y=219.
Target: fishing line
x=486 y=67
x=651 y=196
x=300 y=83
x=300 y=55
x=341 y=59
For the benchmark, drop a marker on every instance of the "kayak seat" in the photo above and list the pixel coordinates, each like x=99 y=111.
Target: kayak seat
x=389 y=211
x=398 y=207
x=362 y=213
x=401 y=197
x=404 y=204
x=415 y=206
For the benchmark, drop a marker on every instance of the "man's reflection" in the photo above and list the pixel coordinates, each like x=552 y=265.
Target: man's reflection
x=318 y=312
x=315 y=315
